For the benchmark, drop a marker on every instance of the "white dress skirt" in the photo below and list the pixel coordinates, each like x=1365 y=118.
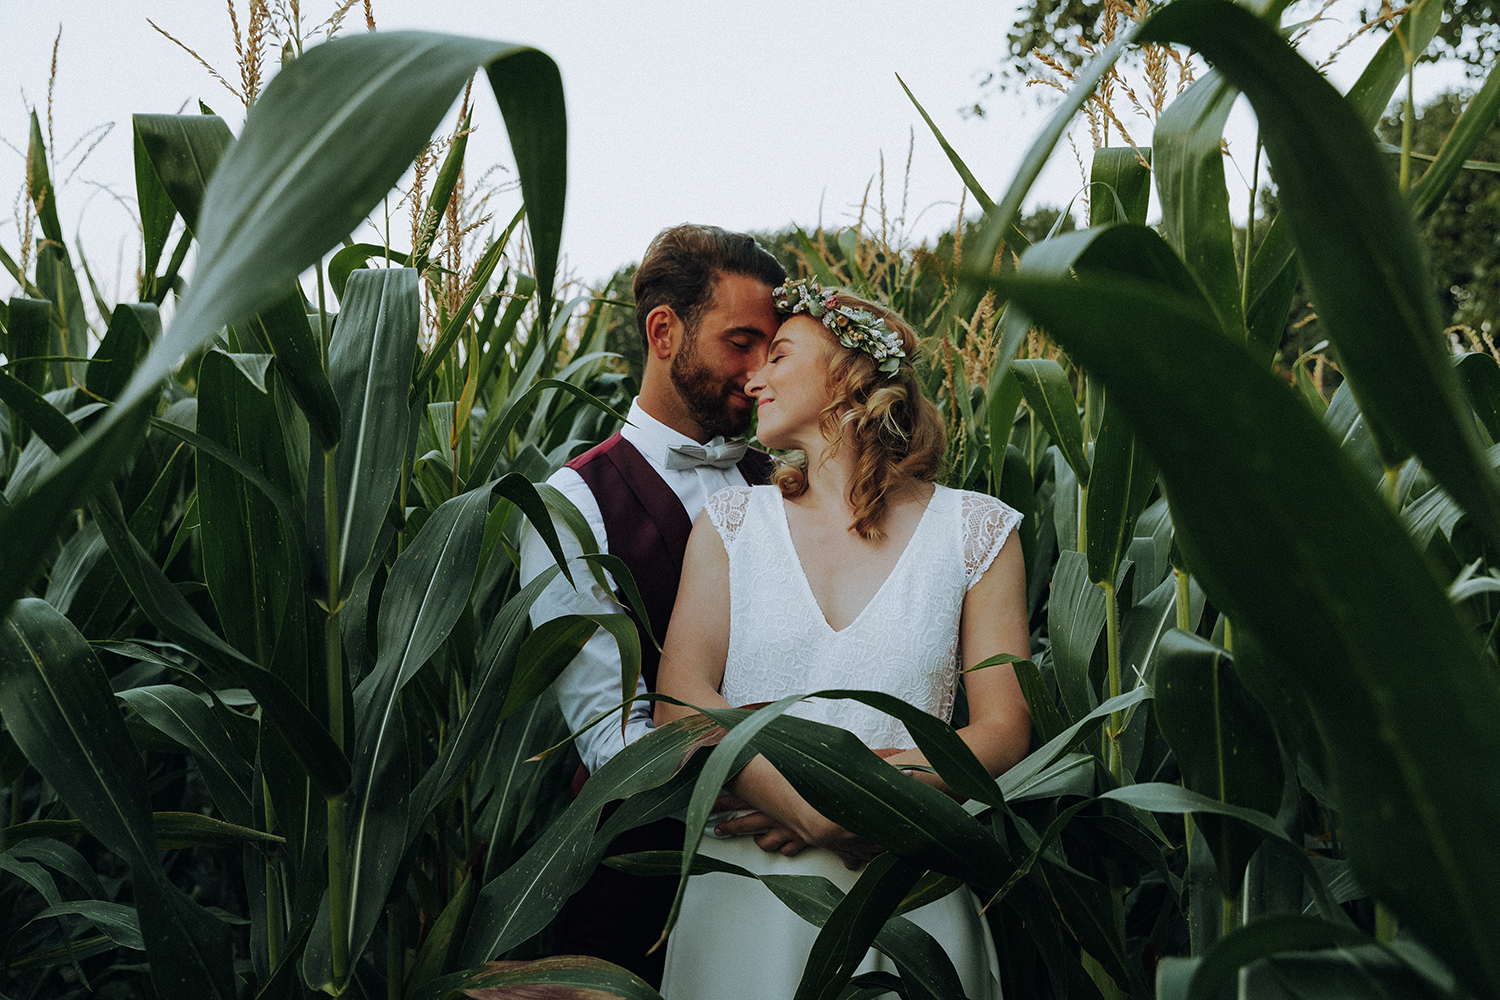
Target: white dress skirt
x=734 y=940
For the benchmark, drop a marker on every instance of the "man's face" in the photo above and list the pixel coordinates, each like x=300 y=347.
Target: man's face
x=718 y=357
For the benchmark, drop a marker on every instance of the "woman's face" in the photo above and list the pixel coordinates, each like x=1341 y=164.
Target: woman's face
x=792 y=389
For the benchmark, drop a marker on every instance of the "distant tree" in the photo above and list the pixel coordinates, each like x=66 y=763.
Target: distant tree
x=1470 y=32
x=1463 y=234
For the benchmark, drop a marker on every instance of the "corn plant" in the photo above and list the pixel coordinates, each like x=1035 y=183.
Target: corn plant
x=263 y=615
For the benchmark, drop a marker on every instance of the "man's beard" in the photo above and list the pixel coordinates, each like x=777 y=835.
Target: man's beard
x=707 y=397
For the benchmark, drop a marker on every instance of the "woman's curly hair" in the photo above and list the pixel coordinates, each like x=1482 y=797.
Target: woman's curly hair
x=898 y=431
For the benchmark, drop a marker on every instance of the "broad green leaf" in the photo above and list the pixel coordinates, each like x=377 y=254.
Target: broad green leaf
x=1075 y=618
x=1481 y=378
x=188 y=721
x=551 y=646
x=1357 y=244
x=1119 y=489
x=1050 y=396
x=132 y=330
x=284 y=328
x=427 y=591
x=523 y=898
x=842 y=779
x=369 y=365
x=1287 y=538
x=1279 y=932
x=852 y=926
x=352 y=258
x=182 y=151
x=1223 y=741
x=153 y=203
x=69 y=335
x=57 y=704
x=1371 y=94
x=1119 y=185
x=325 y=142
x=1089 y=908
x=117 y=921
x=28 y=329
x=1189 y=168
x=252 y=561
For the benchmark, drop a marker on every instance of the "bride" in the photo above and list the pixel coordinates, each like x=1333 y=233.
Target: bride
x=854 y=570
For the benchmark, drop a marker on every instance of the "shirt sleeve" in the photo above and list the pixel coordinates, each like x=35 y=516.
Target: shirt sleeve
x=590 y=685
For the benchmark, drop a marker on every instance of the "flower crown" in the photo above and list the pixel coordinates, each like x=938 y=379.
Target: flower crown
x=853 y=326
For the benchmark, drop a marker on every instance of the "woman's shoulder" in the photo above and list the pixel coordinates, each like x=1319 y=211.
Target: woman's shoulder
x=727 y=508
x=982 y=505
x=984 y=523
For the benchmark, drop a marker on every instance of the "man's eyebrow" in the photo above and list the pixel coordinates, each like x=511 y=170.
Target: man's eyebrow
x=751 y=330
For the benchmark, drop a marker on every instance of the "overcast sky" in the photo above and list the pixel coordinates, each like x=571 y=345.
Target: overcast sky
x=748 y=115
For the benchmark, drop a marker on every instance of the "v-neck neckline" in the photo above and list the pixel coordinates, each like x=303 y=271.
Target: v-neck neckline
x=786 y=534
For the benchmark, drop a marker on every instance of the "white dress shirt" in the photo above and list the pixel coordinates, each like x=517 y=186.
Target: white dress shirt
x=591 y=683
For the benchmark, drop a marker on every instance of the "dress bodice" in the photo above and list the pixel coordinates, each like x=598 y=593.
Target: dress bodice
x=905 y=641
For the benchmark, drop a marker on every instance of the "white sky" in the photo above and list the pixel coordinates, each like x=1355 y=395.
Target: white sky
x=747 y=115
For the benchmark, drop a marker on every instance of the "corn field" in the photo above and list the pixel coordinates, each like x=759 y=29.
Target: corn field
x=275 y=721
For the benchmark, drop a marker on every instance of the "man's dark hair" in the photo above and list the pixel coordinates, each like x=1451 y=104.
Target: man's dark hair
x=682 y=264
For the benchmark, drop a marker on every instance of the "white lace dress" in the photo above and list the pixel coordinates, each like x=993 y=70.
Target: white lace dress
x=734 y=939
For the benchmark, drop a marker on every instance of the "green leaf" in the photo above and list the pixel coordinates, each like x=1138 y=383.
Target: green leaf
x=550 y=648
x=986 y=203
x=1223 y=741
x=522 y=899
x=29 y=326
x=1269 y=935
x=1119 y=185
x=852 y=926
x=1050 y=396
x=1075 y=618
x=1477 y=118
x=57 y=704
x=369 y=365
x=132 y=330
x=1357 y=244
x=1342 y=603
x=252 y=560
x=352 y=258
x=39 y=183
x=1120 y=487
x=495 y=666
x=284 y=328
x=118 y=921
x=1189 y=168
x=187 y=720
x=325 y=142
x=528 y=88
x=182 y=153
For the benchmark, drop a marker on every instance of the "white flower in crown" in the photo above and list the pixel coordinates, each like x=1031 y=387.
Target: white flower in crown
x=856 y=328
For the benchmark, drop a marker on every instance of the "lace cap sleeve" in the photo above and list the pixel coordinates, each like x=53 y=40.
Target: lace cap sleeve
x=987 y=524
x=726 y=510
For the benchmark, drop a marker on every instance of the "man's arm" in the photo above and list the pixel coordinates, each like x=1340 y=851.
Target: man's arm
x=591 y=683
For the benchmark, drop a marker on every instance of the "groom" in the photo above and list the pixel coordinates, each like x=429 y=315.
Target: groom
x=704 y=310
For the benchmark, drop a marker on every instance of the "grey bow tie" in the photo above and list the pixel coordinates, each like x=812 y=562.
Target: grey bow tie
x=718 y=453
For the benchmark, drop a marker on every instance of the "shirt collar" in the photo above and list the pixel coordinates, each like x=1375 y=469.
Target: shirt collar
x=650 y=436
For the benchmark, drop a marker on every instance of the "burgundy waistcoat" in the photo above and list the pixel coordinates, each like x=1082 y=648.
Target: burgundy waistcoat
x=647 y=528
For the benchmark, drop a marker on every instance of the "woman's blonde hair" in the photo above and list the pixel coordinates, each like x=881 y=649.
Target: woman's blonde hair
x=898 y=431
